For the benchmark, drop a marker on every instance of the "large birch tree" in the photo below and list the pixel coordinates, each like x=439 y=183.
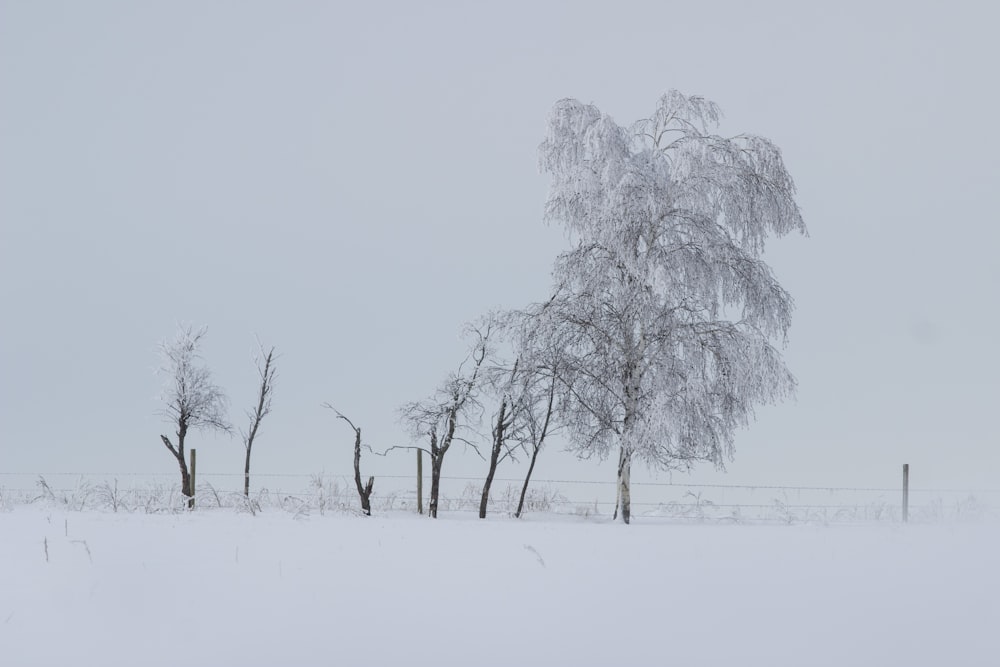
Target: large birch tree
x=669 y=320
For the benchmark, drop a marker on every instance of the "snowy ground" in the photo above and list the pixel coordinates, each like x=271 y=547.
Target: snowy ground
x=220 y=588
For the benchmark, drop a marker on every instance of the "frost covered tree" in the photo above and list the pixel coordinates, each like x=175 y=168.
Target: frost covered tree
x=667 y=316
x=541 y=373
x=503 y=382
x=441 y=418
x=522 y=418
x=192 y=400
x=527 y=392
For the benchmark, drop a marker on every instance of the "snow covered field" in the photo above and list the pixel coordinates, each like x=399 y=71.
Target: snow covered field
x=220 y=588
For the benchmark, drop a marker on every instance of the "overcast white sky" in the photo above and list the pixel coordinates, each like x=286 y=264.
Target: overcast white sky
x=353 y=181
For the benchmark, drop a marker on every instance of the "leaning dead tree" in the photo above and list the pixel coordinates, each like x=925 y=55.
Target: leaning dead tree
x=192 y=401
x=266 y=370
x=364 y=490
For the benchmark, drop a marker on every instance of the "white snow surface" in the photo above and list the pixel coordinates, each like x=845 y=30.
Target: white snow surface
x=220 y=588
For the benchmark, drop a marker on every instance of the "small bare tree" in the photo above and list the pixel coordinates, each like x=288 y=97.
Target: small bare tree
x=266 y=371
x=527 y=391
x=542 y=375
x=192 y=400
x=364 y=490
x=440 y=417
x=535 y=415
x=503 y=422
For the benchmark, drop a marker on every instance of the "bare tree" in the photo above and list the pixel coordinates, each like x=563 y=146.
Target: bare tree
x=266 y=372
x=441 y=417
x=526 y=392
x=192 y=400
x=503 y=421
x=666 y=309
x=535 y=414
x=523 y=421
x=364 y=490
x=543 y=370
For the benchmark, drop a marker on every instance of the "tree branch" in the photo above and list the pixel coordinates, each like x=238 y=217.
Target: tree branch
x=166 y=441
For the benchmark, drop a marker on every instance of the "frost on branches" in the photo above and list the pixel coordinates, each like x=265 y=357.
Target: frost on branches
x=665 y=312
x=192 y=401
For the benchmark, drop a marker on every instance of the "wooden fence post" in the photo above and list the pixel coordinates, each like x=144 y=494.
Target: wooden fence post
x=420 y=481
x=906 y=492
x=194 y=468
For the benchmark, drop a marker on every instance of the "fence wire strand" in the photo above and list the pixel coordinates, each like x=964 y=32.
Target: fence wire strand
x=565 y=482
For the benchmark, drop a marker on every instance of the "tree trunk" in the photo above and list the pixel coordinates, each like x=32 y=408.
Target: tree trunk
x=186 y=489
x=432 y=506
x=246 y=474
x=498 y=435
x=364 y=491
x=527 y=478
x=624 y=483
x=178 y=453
x=537 y=446
x=486 y=488
x=633 y=384
x=263 y=408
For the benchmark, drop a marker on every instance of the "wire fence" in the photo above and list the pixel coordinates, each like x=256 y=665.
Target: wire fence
x=302 y=494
